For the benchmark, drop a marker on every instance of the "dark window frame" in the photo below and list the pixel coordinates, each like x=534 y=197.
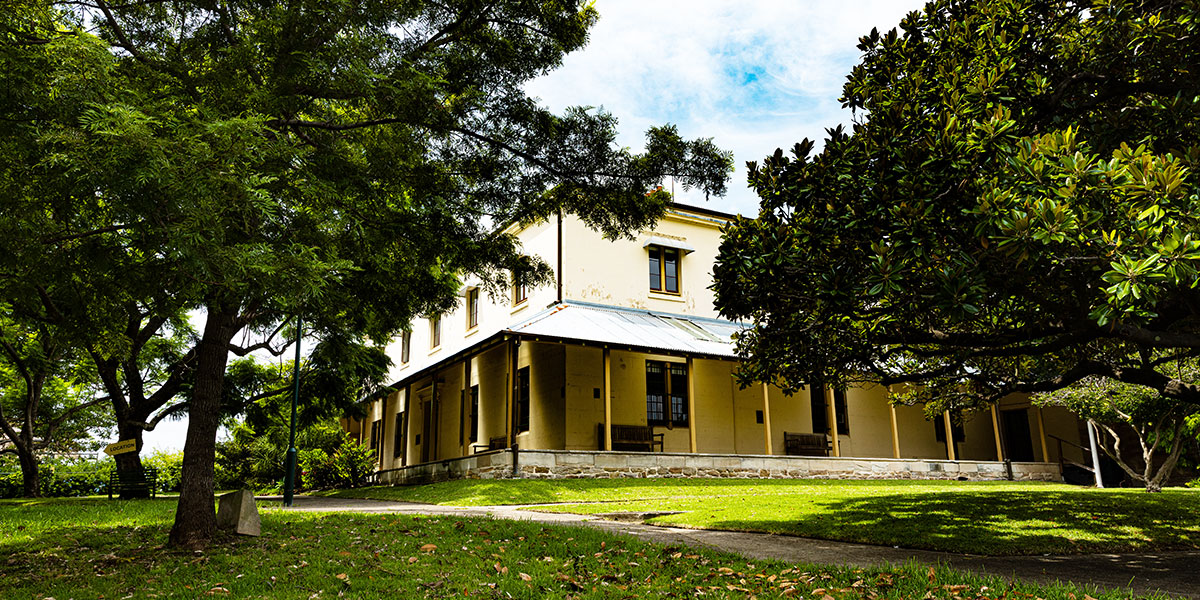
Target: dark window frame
x=659 y=280
x=376 y=442
x=435 y=332
x=522 y=404
x=473 y=404
x=820 y=410
x=669 y=408
x=398 y=436
x=519 y=292
x=957 y=428
x=472 y=308
x=405 y=347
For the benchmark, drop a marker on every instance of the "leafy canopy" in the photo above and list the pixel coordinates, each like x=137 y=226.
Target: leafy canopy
x=1014 y=209
x=343 y=162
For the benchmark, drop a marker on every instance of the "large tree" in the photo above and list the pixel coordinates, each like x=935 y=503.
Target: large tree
x=345 y=163
x=1162 y=428
x=48 y=397
x=1013 y=209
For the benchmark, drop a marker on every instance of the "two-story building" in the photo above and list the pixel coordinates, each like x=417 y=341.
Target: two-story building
x=622 y=367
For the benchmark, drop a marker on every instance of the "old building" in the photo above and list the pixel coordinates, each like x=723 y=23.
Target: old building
x=625 y=355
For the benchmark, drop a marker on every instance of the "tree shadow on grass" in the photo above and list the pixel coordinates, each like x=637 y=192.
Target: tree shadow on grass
x=998 y=522
x=548 y=491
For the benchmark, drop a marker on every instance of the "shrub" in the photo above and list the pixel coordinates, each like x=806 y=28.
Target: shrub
x=58 y=476
x=170 y=468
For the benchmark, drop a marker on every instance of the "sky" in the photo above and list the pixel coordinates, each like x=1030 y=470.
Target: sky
x=752 y=76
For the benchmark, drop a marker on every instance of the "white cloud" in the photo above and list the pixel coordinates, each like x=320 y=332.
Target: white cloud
x=754 y=76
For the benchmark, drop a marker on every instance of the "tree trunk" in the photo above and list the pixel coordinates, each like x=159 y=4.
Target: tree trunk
x=131 y=462
x=195 y=516
x=30 y=477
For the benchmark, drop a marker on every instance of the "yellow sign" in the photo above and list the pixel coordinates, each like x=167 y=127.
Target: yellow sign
x=121 y=447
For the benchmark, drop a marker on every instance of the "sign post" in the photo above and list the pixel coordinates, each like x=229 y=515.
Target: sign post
x=121 y=447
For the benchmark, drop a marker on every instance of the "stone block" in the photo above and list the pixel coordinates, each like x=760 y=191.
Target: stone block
x=672 y=461
x=642 y=460
x=238 y=511
x=536 y=459
x=576 y=458
x=610 y=461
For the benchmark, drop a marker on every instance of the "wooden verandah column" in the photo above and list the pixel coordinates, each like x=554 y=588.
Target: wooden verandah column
x=895 y=428
x=766 y=417
x=949 y=435
x=607 y=400
x=996 y=430
x=832 y=404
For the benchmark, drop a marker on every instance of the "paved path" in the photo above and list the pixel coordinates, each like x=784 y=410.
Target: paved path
x=1174 y=573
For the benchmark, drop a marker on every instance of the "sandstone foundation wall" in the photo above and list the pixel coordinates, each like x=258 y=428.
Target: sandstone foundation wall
x=574 y=464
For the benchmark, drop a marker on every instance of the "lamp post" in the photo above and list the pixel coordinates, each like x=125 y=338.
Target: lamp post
x=289 y=479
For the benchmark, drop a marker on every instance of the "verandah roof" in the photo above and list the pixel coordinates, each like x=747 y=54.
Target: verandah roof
x=602 y=325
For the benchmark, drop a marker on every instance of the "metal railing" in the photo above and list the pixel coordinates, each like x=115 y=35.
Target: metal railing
x=1062 y=461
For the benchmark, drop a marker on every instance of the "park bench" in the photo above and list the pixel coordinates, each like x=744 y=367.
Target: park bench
x=805 y=444
x=499 y=442
x=632 y=437
x=138 y=485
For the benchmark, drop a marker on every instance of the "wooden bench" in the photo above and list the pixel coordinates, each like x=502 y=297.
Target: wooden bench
x=499 y=442
x=805 y=444
x=131 y=484
x=640 y=438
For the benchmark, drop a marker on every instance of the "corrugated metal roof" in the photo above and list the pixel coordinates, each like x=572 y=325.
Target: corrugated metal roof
x=631 y=327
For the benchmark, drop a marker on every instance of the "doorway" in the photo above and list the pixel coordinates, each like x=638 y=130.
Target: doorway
x=1018 y=442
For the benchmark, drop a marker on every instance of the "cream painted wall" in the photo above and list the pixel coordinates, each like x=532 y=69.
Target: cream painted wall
x=594 y=270
x=584 y=408
x=491 y=374
x=790 y=414
x=616 y=272
x=495 y=313
x=547 y=410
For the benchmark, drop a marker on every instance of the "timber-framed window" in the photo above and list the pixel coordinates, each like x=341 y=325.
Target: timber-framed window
x=519 y=292
x=523 y=400
x=664 y=269
x=820 y=417
x=435 y=332
x=956 y=426
x=398 y=436
x=666 y=393
x=473 y=432
x=472 y=308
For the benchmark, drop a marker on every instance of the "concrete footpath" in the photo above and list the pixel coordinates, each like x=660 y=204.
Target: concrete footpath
x=1174 y=573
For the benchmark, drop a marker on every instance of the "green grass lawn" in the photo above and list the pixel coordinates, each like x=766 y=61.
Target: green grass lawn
x=91 y=548
x=996 y=518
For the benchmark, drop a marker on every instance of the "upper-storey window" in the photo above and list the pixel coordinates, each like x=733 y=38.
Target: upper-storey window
x=405 y=346
x=435 y=332
x=472 y=308
x=519 y=293
x=664 y=269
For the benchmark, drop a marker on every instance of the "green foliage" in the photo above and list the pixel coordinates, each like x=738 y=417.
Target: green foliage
x=1163 y=428
x=253 y=457
x=169 y=466
x=58 y=476
x=1014 y=209
x=345 y=163
x=347 y=467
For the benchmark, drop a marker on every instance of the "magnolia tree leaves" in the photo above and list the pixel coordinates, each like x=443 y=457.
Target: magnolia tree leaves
x=1013 y=209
